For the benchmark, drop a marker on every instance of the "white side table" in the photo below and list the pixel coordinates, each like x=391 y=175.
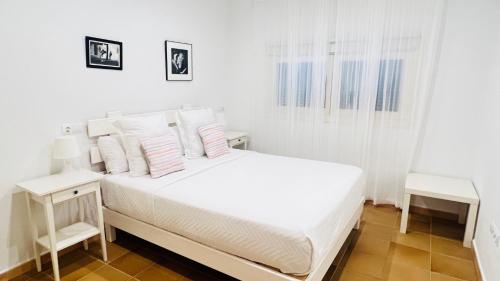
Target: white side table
x=452 y=189
x=54 y=189
x=235 y=138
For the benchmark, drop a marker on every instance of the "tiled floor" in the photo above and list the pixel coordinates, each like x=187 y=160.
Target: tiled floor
x=431 y=250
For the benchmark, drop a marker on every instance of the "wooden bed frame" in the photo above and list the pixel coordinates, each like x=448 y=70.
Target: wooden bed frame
x=234 y=266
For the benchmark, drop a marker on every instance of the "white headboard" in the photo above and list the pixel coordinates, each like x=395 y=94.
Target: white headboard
x=104 y=126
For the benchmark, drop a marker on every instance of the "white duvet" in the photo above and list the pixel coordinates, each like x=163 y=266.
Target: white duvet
x=279 y=211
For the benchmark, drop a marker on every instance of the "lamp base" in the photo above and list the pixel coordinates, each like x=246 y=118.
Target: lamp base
x=67 y=168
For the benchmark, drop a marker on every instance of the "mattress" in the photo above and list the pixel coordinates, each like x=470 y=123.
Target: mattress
x=279 y=211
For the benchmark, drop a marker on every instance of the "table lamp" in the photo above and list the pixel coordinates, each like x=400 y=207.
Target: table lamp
x=66 y=148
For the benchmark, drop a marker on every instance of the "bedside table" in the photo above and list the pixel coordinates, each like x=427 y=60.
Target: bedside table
x=452 y=189
x=52 y=190
x=235 y=138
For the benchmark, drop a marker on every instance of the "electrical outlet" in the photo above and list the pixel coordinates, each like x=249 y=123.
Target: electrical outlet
x=495 y=234
x=67 y=129
x=71 y=128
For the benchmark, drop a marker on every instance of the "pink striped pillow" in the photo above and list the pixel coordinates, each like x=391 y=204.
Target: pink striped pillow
x=214 y=141
x=163 y=155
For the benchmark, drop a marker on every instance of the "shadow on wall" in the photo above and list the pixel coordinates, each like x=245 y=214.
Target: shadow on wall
x=19 y=231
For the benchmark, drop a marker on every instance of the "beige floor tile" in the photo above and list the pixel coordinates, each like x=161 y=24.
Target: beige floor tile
x=377 y=231
x=441 y=277
x=405 y=272
x=420 y=218
x=32 y=275
x=106 y=273
x=450 y=247
x=447 y=229
x=200 y=276
x=382 y=216
x=131 y=263
x=114 y=250
x=372 y=246
x=366 y=264
x=41 y=277
x=354 y=276
x=76 y=265
x=413 y=239
x=23 y=277
x=455 y=267
x=417 y=223
x=411 y=256
x=159 y=273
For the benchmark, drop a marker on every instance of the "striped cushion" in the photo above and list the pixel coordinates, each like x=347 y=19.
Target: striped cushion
x=163 y=155
x=213 y=139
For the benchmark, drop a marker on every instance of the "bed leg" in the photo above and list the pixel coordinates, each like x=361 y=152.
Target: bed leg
x=110 y=232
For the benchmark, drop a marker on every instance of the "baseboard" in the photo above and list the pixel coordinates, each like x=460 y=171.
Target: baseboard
x=477 y=261
x=423 y=211
x=24 y=267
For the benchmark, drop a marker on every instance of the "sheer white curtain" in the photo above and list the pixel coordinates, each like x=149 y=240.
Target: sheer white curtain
x=346 y=81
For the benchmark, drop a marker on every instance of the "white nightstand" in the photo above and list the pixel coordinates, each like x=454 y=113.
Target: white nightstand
x=235 y=139
x=452 y=189
x=54 y=189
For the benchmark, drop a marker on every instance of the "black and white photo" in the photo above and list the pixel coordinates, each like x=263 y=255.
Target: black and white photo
x=103 y=53
x=179 y=61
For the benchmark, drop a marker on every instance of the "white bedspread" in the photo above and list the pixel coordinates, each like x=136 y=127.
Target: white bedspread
x=279 y=211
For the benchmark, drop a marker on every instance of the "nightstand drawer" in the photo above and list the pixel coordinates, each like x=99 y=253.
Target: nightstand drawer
x=73 y=192
x=237 y=141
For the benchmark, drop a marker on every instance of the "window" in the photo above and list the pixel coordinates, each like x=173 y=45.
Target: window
x=296 y=80
x=350 y=84
x=389 y=80
x=388 y=89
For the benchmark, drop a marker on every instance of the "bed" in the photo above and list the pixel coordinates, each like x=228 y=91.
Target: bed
x=251 y=215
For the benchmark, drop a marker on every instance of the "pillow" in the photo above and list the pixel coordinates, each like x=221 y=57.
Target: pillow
x=154 y=125
x=135 y=157
x=113 y=155
x=189 y=121
x=163 y=155
x=175 y=131
x=132 y=129
x=219 y=117
x=214 y=141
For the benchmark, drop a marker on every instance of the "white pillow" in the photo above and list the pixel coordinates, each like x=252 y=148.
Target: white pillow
x=189 y=121
x=219 y=116
x=176 y=132
x=131 y=130
x=112 y=153
x=135 y=156
x=155 y=125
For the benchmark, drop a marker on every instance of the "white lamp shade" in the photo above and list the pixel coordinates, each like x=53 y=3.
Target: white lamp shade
x=65 y=147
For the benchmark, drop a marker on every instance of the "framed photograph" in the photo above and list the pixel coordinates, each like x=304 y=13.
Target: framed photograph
x=102 y=53
x=179 y=61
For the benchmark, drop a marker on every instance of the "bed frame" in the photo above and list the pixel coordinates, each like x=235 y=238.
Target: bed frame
x=234 y=266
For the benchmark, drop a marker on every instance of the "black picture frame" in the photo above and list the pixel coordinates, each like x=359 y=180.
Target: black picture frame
x=178 y=70
x=99 y=53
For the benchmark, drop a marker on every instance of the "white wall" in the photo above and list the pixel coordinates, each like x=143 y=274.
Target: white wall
x=449 y=141
x=487 y=161
x=462 y=133
x=44 y=81
x=449 y=137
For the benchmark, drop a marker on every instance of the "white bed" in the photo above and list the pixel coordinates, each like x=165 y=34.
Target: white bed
x=278 y=211
x=250 y=215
